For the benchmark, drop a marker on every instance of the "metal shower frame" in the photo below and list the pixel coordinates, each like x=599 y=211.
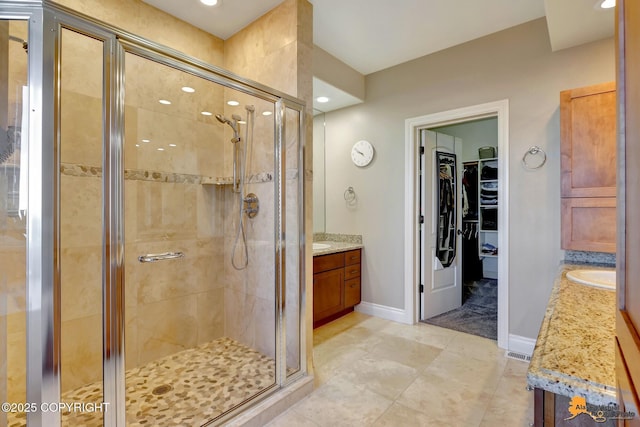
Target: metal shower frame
x=46 y=20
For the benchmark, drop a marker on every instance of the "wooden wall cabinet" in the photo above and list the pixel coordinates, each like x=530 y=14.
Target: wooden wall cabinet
x=336 y=285
x=588 y=168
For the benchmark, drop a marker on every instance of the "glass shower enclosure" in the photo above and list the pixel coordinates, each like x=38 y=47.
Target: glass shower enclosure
x=152 y=259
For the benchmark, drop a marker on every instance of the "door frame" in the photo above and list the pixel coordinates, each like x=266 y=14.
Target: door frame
x=499 y=109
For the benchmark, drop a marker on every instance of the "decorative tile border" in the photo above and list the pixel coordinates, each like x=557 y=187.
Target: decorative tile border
x=86 y=171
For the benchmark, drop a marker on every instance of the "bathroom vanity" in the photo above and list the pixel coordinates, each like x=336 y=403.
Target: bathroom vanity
x=574 y=353
x=336 y=280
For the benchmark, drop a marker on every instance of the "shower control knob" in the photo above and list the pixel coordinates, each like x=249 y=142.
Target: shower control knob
x=251 y=205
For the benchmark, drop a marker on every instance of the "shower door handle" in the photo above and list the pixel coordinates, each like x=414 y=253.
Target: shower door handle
x=160 y=257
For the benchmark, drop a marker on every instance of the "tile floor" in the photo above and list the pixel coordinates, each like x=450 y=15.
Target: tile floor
x=374 y=372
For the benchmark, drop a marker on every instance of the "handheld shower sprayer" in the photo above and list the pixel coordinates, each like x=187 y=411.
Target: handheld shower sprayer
x=233 y=123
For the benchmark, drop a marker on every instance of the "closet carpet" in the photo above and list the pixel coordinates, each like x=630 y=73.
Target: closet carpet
x=478 y=314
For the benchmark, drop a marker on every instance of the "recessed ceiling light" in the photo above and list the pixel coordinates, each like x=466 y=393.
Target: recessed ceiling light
x=172 y=145
x=160 y=149
x=146 y=140
x=165 y=102
x=206 y=113
x=606 y=4
x=267 y=113
x=322 y=99
x=210 y=2
x=137 y=145
x=188 y=89
x=233 y=103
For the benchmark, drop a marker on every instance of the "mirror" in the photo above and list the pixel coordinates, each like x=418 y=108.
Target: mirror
x=319 y=217
x=447 y=218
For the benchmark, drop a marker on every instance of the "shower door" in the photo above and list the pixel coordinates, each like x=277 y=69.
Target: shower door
x=200 y=294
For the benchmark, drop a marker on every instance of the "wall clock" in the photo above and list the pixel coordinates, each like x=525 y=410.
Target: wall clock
x=362 y=153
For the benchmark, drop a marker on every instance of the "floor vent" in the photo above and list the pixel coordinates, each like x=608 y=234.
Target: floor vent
x=518 y=356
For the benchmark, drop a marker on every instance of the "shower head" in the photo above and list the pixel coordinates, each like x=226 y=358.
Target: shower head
x=232 y=123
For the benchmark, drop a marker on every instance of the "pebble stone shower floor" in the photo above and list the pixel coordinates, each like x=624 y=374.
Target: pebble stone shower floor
x=188 y=388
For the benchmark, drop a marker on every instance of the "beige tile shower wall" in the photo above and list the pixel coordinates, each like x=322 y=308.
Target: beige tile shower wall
x=274 y=50
x=146 y=21
x=176 y=304
x=250 y=293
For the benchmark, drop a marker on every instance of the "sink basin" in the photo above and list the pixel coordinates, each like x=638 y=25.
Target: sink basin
x=317 y=246
x=598 y=278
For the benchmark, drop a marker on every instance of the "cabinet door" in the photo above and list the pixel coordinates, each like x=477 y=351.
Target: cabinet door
x=589 y=224
x=328 y=293
x=352 y=292
x=588 y=141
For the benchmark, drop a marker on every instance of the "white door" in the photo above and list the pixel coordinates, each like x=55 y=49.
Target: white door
x=442 y=285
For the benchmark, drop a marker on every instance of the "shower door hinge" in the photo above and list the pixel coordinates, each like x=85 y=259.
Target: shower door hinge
x=421 y=219
x=421 y=288
x=421 y=151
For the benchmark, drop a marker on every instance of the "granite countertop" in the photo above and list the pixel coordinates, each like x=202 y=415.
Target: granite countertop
x=337 y=243
x=336 y=247
x=575 y=351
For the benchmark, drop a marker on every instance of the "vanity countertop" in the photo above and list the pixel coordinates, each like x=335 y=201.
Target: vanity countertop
x=575 y=350
x=335 y=247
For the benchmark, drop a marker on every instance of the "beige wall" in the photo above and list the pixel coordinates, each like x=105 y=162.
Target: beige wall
x=144 y=20
x=516 y=64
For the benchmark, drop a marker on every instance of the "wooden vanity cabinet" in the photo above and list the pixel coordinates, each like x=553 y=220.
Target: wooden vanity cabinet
x=552 y=410
x=588 y=168
x=336 y=285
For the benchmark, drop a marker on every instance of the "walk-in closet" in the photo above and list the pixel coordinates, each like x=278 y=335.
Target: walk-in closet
x=470 y=148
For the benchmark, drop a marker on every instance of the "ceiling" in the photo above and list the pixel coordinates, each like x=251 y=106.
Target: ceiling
x=371 y=35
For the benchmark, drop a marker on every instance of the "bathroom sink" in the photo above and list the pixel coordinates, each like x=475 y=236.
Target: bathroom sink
x=317 y=246
x=598 y=278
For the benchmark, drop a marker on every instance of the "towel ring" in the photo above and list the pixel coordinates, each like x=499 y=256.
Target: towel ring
x=349 y=194
x=533 y=151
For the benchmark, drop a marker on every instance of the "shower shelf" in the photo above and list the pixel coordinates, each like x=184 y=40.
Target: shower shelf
x=226 y=180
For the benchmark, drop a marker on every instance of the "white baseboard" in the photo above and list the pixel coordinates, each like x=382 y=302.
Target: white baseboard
x=522 y=345
x=384 y=312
